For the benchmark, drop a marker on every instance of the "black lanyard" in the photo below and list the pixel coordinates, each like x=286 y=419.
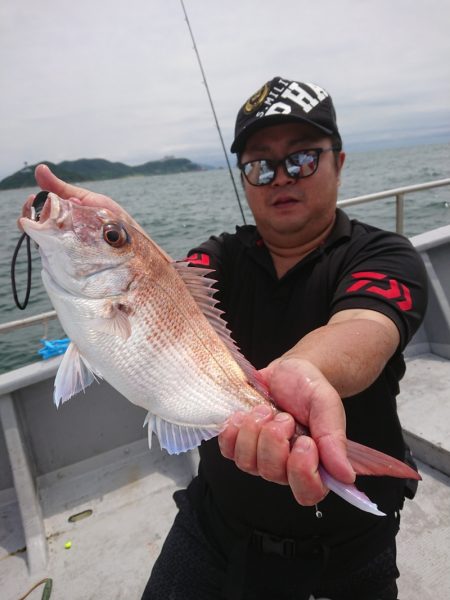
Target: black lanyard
x=38 y=204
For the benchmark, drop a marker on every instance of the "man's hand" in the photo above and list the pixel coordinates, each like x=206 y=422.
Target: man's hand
x=332 y=362
x=260 y=441
x=46 y=180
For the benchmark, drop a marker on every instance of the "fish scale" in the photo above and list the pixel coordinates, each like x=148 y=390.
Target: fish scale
x=172 y=378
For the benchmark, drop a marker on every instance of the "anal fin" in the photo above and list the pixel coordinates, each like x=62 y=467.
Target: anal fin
x=177 y=438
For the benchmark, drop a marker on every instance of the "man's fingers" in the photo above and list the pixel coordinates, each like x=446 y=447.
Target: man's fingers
x=46 y=180
x=227 y=438
x=246 y=448
x=259 y=442
x=26 y=209
x=302 y=472
x=300 y=388
x=274 y=447
x=49 y=182
x=239 y=440
x=333 y=455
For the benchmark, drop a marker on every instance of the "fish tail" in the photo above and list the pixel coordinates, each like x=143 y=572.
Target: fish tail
x=350 y=493
x=367 y=461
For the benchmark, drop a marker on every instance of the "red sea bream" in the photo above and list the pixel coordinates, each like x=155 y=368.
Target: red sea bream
x=148 y=325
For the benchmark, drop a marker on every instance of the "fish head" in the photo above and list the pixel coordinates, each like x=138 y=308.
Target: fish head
x=86 y=251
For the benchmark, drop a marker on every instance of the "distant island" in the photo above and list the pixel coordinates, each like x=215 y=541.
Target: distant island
x=97 y=169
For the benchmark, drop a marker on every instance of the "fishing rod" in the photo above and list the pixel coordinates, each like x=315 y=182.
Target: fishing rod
x=213 y=110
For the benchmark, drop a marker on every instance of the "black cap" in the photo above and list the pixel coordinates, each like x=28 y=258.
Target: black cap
x=281 y=100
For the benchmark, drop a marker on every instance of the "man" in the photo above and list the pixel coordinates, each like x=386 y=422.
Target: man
x=324 y=306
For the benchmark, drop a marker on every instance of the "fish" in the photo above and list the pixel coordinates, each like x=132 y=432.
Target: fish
x=150 y=327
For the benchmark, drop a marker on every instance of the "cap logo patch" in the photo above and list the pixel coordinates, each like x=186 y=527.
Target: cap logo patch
x=257 y=99
x=295 y=95
x=282 y=100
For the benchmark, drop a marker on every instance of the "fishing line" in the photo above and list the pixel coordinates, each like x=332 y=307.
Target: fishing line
x=36 y=208
x=213 y=110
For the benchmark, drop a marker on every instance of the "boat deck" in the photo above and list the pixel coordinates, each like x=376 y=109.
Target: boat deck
x=129 y=492
x=424 y=539
x=424 y=409
x=113 y=550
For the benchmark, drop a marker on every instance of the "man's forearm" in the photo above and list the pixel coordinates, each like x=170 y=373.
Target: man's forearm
x=350 y=353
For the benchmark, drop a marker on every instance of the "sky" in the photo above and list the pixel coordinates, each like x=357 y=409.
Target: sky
x=120 y=79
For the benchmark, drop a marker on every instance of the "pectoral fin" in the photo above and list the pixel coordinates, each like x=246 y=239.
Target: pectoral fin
x=73 y=376
x=113 y=321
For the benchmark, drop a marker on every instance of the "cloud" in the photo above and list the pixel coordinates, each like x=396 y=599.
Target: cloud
x=121 y=80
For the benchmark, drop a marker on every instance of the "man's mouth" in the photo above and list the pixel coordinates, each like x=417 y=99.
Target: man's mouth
x=284 y=201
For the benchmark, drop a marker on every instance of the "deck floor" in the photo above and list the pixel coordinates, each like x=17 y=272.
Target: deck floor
x=424 y=409
x=129 y=492
x=113 y=550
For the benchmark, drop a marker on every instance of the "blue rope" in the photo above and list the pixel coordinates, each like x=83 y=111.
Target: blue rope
x=53 y=347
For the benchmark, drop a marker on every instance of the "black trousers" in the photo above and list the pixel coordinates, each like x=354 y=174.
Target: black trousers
x=190 y=568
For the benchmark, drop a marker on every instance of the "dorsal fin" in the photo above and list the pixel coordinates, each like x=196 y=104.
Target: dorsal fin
x=201 y=289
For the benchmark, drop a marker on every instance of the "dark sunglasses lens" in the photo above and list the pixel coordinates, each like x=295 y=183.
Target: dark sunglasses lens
x=258 y=172
x=297 y=165
x=302 y=164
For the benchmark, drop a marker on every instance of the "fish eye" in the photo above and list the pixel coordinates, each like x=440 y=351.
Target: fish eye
x=115 y=234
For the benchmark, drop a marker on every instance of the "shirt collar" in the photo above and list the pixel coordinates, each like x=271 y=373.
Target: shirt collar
x=342 y=229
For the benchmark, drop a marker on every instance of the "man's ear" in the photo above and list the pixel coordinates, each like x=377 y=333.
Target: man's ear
x=339 y=164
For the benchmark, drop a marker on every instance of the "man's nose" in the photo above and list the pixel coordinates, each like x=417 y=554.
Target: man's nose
x=281 y=176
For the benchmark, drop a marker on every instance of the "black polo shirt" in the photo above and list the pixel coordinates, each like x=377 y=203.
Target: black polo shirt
x=358 y=266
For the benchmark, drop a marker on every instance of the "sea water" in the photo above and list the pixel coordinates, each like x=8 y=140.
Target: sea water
x=180 y=211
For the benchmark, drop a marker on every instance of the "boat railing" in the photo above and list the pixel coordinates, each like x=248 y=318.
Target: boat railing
x=34 y=320
x=397 y=193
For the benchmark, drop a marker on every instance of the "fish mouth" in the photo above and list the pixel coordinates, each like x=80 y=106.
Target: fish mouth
x=53 y=213
x=50 y=210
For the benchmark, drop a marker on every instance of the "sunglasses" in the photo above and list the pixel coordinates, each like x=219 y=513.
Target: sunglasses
x=297 y=165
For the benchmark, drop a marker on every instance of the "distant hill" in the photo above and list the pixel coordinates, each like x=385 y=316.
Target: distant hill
x=95 y=169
